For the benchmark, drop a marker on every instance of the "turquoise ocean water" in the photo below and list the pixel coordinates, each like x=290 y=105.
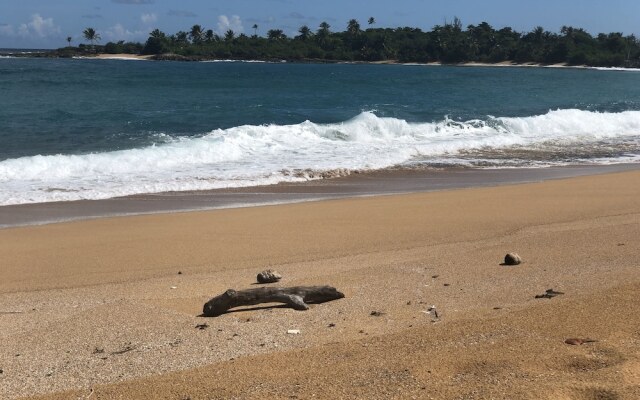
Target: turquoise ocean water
x=90 y=129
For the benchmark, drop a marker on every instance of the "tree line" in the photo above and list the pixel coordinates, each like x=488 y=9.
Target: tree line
x=447 y=43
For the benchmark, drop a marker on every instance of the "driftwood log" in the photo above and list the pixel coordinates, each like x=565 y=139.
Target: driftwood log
x=296 y=297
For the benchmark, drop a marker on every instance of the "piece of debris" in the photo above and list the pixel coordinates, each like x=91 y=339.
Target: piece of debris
x=173 y=287
x=376 y=313
x=268 y=276
x=202 y=326
x=433 y=310
x=446 y=284
x=409 y=302
x=128 y=347
x=435 y=276
x=293 y=332
x=512 y=259
x=497 y=308
x=576 y=341
x=179 y=272
x=98 y=350
x=549 y=293
x=296 y=297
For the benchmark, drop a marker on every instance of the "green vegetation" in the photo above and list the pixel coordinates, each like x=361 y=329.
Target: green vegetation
x=448 y=43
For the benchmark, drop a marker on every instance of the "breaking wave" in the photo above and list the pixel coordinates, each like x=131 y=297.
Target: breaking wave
x=267 y=154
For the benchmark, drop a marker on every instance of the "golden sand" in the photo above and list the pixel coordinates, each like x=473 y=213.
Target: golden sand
x=98 y=308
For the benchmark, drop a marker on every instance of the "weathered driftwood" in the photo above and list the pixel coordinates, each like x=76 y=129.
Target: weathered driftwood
x=296 y=297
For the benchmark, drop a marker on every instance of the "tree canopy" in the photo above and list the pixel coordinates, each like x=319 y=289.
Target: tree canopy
x=448 y=43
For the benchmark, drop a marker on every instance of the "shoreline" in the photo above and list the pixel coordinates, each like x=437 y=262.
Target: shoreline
x=109 y=307
x=513 y=64
x=374 y=183
x=170 y=57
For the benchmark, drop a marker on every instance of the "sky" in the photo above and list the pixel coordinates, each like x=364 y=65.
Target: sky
x=47 y=23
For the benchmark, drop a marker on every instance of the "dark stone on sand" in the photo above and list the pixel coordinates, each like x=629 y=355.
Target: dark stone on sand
x=268 y=276
x=512 y=259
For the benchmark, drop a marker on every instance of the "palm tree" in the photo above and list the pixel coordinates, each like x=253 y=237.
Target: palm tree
x=324 y=27
x=91 y=35
x=196 y=34
x=322 y=35
x=157 y=34
x=305 y=33
x=372 y=20
x=69 y=39
x=255 y=29
x=181 y=37
x=276 y=34
x=353 y=27
x=229 y=35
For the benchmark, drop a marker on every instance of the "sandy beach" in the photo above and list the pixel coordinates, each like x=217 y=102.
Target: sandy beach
x=108 y=308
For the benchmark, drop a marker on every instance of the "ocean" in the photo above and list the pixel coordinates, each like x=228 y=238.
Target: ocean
x=73 y=129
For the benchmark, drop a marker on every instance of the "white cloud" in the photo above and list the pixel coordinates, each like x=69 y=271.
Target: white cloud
x=225 y=23
x=119 y=32
x=148 y=18
x=38 y=27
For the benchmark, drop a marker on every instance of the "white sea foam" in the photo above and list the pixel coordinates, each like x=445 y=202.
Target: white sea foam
x=615 y=69
x=258 y=155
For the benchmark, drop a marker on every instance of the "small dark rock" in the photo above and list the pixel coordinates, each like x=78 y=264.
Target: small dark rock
x=268 y=276
x=435 y=276
x=202 y=326
x=376 y=313
x=447 y=284
x=179 y=272
x=331 y=325
x=512 y=259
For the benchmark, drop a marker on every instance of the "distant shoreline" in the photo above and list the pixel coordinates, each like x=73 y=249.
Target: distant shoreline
x=175 y=57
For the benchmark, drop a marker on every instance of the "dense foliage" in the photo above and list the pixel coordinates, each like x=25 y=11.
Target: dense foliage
x=448 y=43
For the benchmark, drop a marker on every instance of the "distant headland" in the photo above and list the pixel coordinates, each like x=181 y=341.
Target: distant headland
x=449 y=43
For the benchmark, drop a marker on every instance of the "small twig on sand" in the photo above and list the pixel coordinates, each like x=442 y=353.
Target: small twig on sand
x=90 y=393
x=126 y=349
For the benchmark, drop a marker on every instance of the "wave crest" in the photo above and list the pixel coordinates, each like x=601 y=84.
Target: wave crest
x=266 y=154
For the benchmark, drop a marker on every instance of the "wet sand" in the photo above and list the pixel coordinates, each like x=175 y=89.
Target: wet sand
x=108 y=308
x=383 y=182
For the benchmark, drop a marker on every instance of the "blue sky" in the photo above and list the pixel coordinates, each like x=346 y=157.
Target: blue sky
x=47 y=23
